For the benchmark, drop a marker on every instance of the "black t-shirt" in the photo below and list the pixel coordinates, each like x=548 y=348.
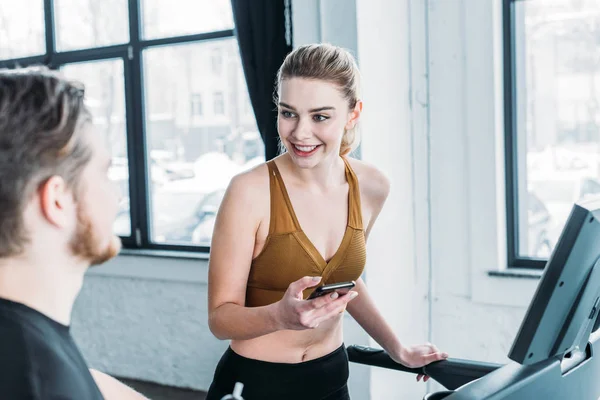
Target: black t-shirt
x=39 y=359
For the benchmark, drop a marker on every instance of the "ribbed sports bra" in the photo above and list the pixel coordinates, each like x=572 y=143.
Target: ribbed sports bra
x=289 y=255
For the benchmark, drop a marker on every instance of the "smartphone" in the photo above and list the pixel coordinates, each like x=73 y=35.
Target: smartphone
x=341 y=288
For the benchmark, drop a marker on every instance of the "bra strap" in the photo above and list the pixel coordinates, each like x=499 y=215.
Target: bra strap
x=354 y=206
x=283 y=219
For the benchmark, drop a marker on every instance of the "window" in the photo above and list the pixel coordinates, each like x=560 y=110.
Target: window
x=196 y=105
x=219 y=103
x=146 y=65
x=216 y=61
x=164 y=18
x=552 y=119
x=97 y=23
x=21 y=28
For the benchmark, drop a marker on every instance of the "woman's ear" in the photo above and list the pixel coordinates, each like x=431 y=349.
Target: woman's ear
x=354 y=115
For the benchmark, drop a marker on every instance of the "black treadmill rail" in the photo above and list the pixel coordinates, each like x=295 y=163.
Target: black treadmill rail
x=452 y=373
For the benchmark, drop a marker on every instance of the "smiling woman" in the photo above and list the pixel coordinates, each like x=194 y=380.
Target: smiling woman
x=286 y=226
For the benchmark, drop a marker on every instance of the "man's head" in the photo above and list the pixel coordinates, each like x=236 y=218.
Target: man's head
x=55 y=195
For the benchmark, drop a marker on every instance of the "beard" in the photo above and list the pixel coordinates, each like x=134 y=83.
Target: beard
x=87 y=244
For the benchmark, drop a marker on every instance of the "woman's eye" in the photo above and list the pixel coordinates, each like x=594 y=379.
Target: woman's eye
x=286 y=114
x=320 y=118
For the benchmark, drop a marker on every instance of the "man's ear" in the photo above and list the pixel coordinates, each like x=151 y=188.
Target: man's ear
x=354 y=115
x=56 y=201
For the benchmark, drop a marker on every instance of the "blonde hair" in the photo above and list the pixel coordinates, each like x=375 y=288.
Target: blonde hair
x=331 y=64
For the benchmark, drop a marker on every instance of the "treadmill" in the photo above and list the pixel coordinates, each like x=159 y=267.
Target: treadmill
x=553 y=355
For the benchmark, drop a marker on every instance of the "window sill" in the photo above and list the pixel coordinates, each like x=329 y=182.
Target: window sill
x=163 y=265
x=490 y=287
x=521 y=273
x=165 y=254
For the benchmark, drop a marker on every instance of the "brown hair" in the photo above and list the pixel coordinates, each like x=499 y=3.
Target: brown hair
x=41 y=115
x=327 y=63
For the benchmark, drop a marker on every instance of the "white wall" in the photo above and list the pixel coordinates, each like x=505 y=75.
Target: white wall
x=433 y=124
x=398 y=286
x=146 y=318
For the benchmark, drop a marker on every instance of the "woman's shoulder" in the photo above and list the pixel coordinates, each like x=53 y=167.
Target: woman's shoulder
x=246 y=194
x=372 y=181
x=251 y=182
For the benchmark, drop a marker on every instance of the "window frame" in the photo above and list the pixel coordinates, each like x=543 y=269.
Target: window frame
x=218 y=98
x=131 y=53
x=196 y=105
x=514 y=260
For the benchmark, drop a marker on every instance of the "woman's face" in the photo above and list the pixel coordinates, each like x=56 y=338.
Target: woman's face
x=312 y=118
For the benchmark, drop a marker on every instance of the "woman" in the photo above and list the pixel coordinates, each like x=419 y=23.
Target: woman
x=287 y=226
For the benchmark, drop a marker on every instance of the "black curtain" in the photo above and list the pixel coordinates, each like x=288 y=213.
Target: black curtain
x=263 y=30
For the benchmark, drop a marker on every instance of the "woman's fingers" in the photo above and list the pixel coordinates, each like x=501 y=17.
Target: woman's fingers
x=333 y=308
x=296 y=288
x=310 y=313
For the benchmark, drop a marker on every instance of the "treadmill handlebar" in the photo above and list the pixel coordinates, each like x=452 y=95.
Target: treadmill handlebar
x=451 y=372
x=378 y=358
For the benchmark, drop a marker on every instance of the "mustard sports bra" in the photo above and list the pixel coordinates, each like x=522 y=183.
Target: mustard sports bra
x=289 y=255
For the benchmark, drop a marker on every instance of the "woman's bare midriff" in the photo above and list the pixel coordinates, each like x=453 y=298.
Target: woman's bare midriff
x=292 y=347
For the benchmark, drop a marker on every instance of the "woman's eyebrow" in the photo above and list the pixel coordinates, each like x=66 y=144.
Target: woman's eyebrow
x=281 y=104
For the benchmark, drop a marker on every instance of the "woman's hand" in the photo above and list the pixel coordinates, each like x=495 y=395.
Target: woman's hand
x=418 y=356
x=293 y=312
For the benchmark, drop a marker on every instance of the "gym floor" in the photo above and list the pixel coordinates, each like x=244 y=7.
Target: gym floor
x=159 y=392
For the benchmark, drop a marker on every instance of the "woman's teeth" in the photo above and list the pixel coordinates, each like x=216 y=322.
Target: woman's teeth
x=305 y=149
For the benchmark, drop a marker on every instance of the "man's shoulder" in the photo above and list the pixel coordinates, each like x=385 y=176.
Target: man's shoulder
x=19 y=337
x=17 y=346
x=39 y=360
x=26 y=338
x=21 y=326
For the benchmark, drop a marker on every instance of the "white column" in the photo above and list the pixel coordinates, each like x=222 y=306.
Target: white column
x=395 y=140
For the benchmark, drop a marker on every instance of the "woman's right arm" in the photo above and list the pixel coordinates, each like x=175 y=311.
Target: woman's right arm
x=231 y=254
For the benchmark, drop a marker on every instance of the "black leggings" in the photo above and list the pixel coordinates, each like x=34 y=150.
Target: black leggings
x=324 y=378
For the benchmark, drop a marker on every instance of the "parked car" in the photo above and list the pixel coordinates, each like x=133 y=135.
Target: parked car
x=196 y=228
x=202 y=233
x=558 y=193
x=539 y=244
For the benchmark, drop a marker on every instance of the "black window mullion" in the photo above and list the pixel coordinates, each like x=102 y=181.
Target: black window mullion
x=50 y=32
x=136 y=141
x=134 y=200
x=94 y=54
x=228 y=33
x=509 y=134
x=510 y=144
x=23 y=62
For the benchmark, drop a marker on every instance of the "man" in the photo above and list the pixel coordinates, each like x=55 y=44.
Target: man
x=57 y=207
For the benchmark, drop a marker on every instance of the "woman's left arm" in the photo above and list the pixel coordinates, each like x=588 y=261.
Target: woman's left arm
x=375 y=188
x=363 y=309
